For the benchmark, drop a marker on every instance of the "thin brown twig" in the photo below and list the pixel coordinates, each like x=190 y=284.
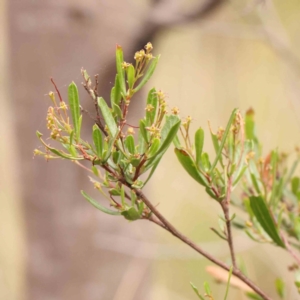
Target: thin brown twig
x=169 y=227
x=225 y=207
x=57 y=90
x=290 y=249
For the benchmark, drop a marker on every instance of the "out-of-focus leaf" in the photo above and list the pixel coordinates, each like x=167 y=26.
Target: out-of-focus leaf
x=148 y=74
x=108 y=117
x=151 y=100
x=205 y=163
x=253 y=296
x=295 y=185
x=189 y=165
x=280 y=287
x=129 y=143
x=255 y=183
x=99 y=206
x=263 y=216
x=207 y=288
x=115 y=192
x=199 y=142
x=250 y=125
x=225 y=135
x=196 y=291
x=98 y=140
x=117 y=111
x=131 y=214
x=120 y=70
x=228 y=283
x=130 y=76
x=176 y=142
x=239 y=175
x=75 y=108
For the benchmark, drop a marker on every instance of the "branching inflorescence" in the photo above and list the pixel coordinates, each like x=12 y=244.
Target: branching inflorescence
x=120 y=154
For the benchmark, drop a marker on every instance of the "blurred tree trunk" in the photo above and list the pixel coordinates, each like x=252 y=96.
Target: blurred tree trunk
x=12 y=233
x=57 y=38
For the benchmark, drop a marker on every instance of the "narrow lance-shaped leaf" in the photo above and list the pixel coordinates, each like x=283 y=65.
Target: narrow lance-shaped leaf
x=99 y=206
x=263 y=216
x=142 y=143
x=120 y=70
x=228 y=283
x=152 y=102
x=199 y=142
x=216 y=145
x=280 y=287
x=148 y=74
x=58 y=152
x=144 y=133
x=74 y=107
x=196 y=291
x=108 y=117
x=98 y=140
x=129 y=143
x=130 y=76
x=189 y=165
x=226 y=132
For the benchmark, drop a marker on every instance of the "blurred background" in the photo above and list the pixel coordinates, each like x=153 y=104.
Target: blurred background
x=215 y=55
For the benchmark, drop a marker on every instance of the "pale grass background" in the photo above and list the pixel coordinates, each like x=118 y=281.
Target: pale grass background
x=244 y=56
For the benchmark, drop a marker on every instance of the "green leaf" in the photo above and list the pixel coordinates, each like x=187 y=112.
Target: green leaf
x=189 y=165
x=295 y=183
x=148 y=74
x=130 y=76
x=142 y=143
x=199 y=142
x=265 y=219
x=98 y=140
x=255 y=183
x=99 y=206
x=253 y=296
x=152 y=170
x=240 y=175
x=228 y=283
x=205 y=163
x=115 y=94
x=207 y=288
x=143 y=131
x=117 y=113
x=154 y=147
x=168 y=133
x=279 y=283
x=129 y=143
x=216 y=145
x=120 y=70
x=153 y=101
x=131 y=214
x=222 y=144
x=75 y=108
x=108 y=117
x=58 y=152
x=196 y=291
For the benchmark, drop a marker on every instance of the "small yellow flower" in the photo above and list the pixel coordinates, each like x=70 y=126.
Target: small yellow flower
x=175 y=110
x=148 y=47
x=149 y=108
x=130 y=130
